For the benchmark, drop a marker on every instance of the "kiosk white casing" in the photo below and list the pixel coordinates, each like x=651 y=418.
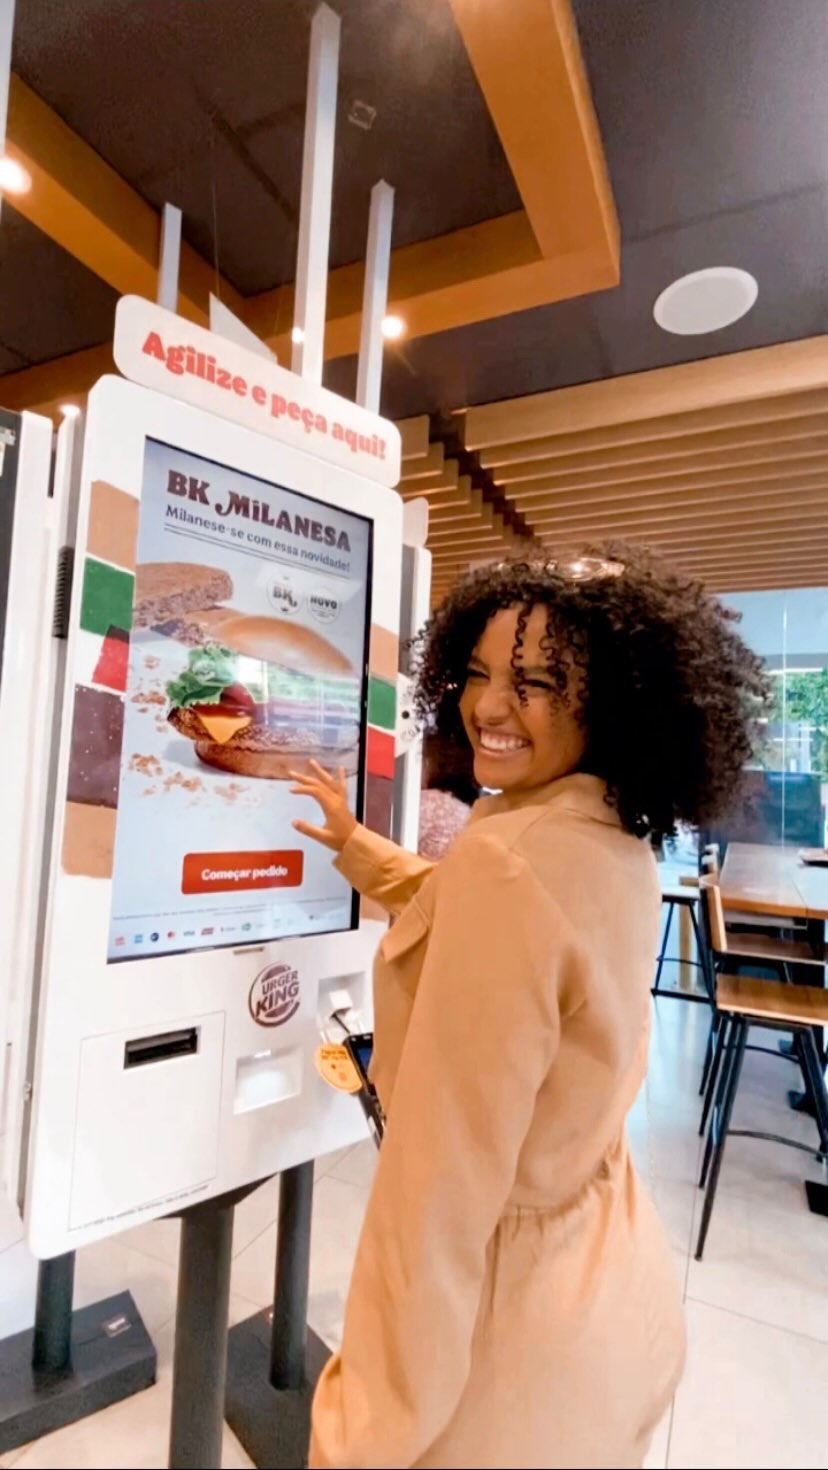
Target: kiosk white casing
x=24 y=719
x=103 y=1146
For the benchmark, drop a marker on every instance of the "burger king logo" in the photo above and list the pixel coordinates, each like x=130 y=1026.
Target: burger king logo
x=274 y=995
x=285 y=595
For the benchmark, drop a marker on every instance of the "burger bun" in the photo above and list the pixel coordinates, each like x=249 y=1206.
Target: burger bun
x=278 y=641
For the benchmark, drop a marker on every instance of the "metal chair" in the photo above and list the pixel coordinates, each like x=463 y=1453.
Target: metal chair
x=743 y=1002
x=734 y=952
x=682 y=895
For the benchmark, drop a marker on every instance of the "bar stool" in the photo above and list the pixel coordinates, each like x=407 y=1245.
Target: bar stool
x=684 y=896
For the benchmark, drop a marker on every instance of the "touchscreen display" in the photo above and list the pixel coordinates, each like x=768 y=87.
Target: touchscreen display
x=247 y=659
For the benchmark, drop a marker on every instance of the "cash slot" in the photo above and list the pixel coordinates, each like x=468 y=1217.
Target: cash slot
x=162 y=1047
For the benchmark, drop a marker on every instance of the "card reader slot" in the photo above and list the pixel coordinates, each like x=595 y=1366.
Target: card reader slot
x=161 y=1047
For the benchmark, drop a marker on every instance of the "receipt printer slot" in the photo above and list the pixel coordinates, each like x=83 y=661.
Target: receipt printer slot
x=161 y=1047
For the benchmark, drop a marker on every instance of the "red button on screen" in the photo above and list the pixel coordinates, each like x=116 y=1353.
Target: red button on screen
x=226 y=872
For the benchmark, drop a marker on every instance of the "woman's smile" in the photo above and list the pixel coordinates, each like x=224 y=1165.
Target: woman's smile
x=500 y=742
x=521 y=733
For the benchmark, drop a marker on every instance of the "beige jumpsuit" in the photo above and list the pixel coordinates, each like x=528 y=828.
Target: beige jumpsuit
x=513 y=1301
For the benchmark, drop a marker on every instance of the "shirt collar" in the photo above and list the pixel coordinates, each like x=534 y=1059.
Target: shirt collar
x=584 y=795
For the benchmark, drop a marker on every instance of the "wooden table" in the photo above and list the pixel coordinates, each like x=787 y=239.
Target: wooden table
x=772 y=880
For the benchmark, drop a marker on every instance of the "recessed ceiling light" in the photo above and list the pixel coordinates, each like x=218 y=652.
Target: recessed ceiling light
x=392 y=327
x=14 y=178
x=706 y=301
x=70 y=410
x=297 y=335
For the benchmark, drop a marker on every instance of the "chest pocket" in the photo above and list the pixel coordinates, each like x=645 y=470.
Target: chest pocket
x=403 y=947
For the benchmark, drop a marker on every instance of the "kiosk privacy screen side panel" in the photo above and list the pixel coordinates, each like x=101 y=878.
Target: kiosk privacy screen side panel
x=10 y=424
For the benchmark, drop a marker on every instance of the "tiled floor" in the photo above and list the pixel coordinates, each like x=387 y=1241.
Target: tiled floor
x=757 y=1306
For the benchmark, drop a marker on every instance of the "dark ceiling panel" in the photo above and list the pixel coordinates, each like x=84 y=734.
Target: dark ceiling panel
x=713 y=114
x=49 y=303
x=706 y=106
x=781 y=243
x=198 y=102
x=532 y=351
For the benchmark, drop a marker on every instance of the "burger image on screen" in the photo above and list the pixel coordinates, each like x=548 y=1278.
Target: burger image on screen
x=267 y=699
x=182 y=600
x=166 y=590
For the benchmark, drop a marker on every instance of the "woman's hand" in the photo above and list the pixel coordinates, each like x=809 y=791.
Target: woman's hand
x=332 y=794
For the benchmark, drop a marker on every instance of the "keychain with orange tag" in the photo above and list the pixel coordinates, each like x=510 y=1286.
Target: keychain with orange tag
x=336 y=1068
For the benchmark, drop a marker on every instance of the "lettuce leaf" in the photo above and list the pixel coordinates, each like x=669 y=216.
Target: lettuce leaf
x=209 y=670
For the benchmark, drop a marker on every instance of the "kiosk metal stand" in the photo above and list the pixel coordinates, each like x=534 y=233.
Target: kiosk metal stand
x=274 y=1358
x=70 y=1364
x=202 y=1311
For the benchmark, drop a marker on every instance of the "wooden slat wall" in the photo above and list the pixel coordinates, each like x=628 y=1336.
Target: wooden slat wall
x=462 y=527
x=719 y=465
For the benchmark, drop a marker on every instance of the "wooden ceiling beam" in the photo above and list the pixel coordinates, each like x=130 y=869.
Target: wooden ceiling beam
x=430 y=484
x=800 y=553
x=784 y=538
x=528 y=64
x=762 y=583
x=690 y=387
x=463 y=545
x=726 y=578
x=463 y=497
x=480 y=546
x=480 y=552
x=95 y=215
x=476 y=509
x=782 y=420
x=768 y=559
x=62 y=380
x=779 y=544
x=440 y=499
x=667 y=492
x=462 y=523
x=741 y=510
x=563 y=244
x=484 y=270
x=550 y=472
x=463 y=536
x=414 y=437
x=429 y=463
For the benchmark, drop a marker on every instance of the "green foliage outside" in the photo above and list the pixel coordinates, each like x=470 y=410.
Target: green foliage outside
x=803 y=699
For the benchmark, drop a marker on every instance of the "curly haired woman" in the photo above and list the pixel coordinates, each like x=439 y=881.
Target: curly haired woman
x=513 y=1300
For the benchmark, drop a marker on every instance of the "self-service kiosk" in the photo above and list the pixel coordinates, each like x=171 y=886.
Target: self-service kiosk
x=237 y=552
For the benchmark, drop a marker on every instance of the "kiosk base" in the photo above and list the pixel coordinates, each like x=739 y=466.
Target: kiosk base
x=273 y=1359
x=272 y=1424
x=112 y=1357
x=817 y=1195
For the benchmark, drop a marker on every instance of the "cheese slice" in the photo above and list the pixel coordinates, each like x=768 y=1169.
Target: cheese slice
x=222 y=728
